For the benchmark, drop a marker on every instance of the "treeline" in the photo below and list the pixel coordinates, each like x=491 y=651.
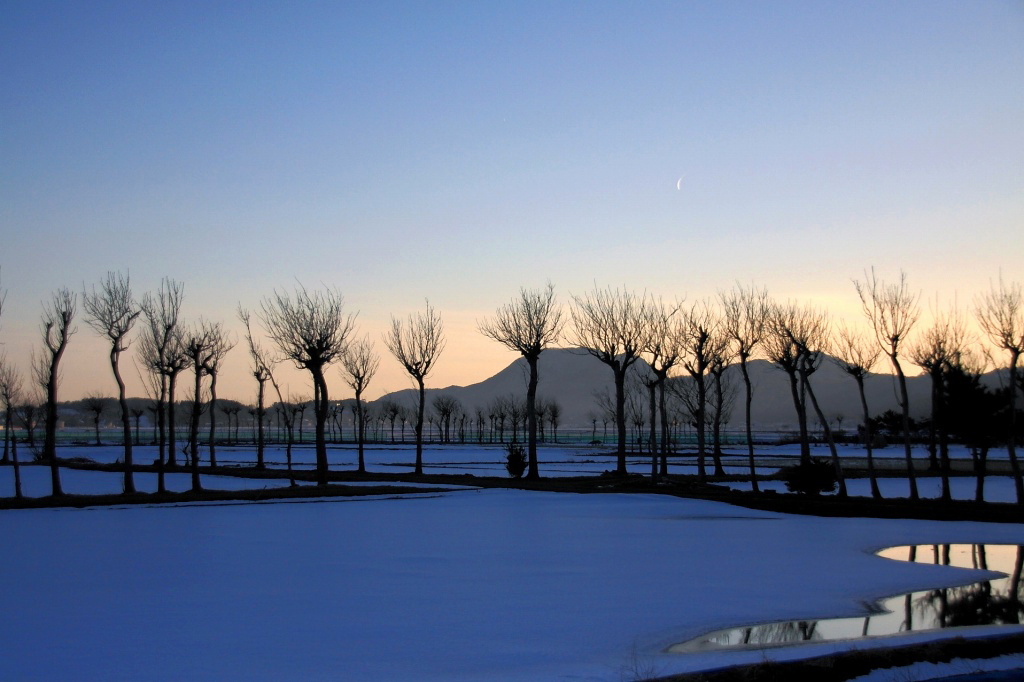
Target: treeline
x=696 y=340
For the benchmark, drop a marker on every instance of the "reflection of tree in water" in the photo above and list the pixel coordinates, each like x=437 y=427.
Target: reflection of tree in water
x=989 y=602
x=771 y=633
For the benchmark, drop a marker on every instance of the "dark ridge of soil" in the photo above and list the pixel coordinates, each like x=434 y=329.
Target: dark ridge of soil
x=846 y=665
x=392 y=483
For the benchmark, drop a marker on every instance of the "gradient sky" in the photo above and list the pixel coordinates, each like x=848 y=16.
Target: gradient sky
x=459 y=151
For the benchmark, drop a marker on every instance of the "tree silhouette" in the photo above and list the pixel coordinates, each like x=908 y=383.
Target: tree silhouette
x=220 y=344
x=97 y=405
x=261 y=364
x=58 y=315
x=700 y=343
x=161 y=354
x=416 y=344
x=312 y=331
x=664 y=351
x=358 y=365
x=1000 y=312
x=856 y=355
x=933 y=352
x=528 y=325
x=198 y=344
x=745 y=314
x=111 y=312
x=613 y=326
x=10 y=393
x=892 y=311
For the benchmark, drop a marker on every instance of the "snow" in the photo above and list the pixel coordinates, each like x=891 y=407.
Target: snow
x=997 y=488
x=465 y=585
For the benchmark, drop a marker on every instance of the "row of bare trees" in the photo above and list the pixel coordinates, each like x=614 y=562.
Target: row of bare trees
x=618 y=327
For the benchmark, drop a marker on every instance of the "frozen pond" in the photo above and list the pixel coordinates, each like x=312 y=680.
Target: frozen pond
x=500 y=585
x=997 y=601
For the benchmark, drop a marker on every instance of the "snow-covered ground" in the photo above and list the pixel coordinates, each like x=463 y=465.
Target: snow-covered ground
x=997 y=488
x=466 y=585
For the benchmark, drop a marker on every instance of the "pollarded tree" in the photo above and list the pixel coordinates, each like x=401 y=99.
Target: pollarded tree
x=528 y=325
x=261 y=364
x=416 y=345
x=312 y=331
x=1000 y=313
x=663 y=353
x=96 y=404
x=933 y=351
x=198 y=344
x=856 y=355
x=613 y=326
x=358 y=365
x=700 y=334
x=58 y=315
x=220 y=344
x=160 y=349
x=111 y=311
x=892 y=311
x=10 y=394
x=808 y=330
x=745 y=314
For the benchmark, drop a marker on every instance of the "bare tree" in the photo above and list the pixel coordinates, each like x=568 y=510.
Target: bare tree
x=96 y=404
x=261 y=364
x=612 y=325
x=933 y=352
x=745 y=313
x=220 y=344
x=664 y=351
x=416 y=344
x=58 y=315
x=10 y=394
x=892 y=311
x=528 y=325
x=196 y=343
x=358 y=365
x=160 y=350
x=724 y=395
x=700 y=331
x=856 y=355
x=807 y=329
x=111 y=311
x=312 y=331
x=1000 y=312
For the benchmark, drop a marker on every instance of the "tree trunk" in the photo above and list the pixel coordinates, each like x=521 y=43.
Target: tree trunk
x=162 y=434
x=17 y=466
x=716 y=427
x=50 y=439
x=828 y=436
x=1011 y=445
x=126 y=422
x=664 y=426
x=531 y=417
x=653 y=435
x=361 y=437
x=213 y=419
x=172 y=457
x=193 y=431
x=868 y=438
x=702 y=397
x=260 y=438
x=320 y=410
x=750 y=435
x=620 y=416
x=905 y=407
x=419 y=428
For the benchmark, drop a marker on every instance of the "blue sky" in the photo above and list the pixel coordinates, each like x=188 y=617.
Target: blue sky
x=459 y=151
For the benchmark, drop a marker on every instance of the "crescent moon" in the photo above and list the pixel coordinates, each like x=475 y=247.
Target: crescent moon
x=679 y=183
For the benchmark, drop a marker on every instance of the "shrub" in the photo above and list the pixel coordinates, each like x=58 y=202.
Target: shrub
x=515 y=460
x=819 y=476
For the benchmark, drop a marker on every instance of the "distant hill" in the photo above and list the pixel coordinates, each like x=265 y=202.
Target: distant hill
x=572 y=378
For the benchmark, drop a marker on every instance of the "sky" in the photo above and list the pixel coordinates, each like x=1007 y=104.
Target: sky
x=456 y=152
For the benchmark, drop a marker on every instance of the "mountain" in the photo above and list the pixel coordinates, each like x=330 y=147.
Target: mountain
x=573 y=378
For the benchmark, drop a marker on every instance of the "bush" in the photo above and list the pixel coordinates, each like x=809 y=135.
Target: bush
x=515 y=460
x=819 y=476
